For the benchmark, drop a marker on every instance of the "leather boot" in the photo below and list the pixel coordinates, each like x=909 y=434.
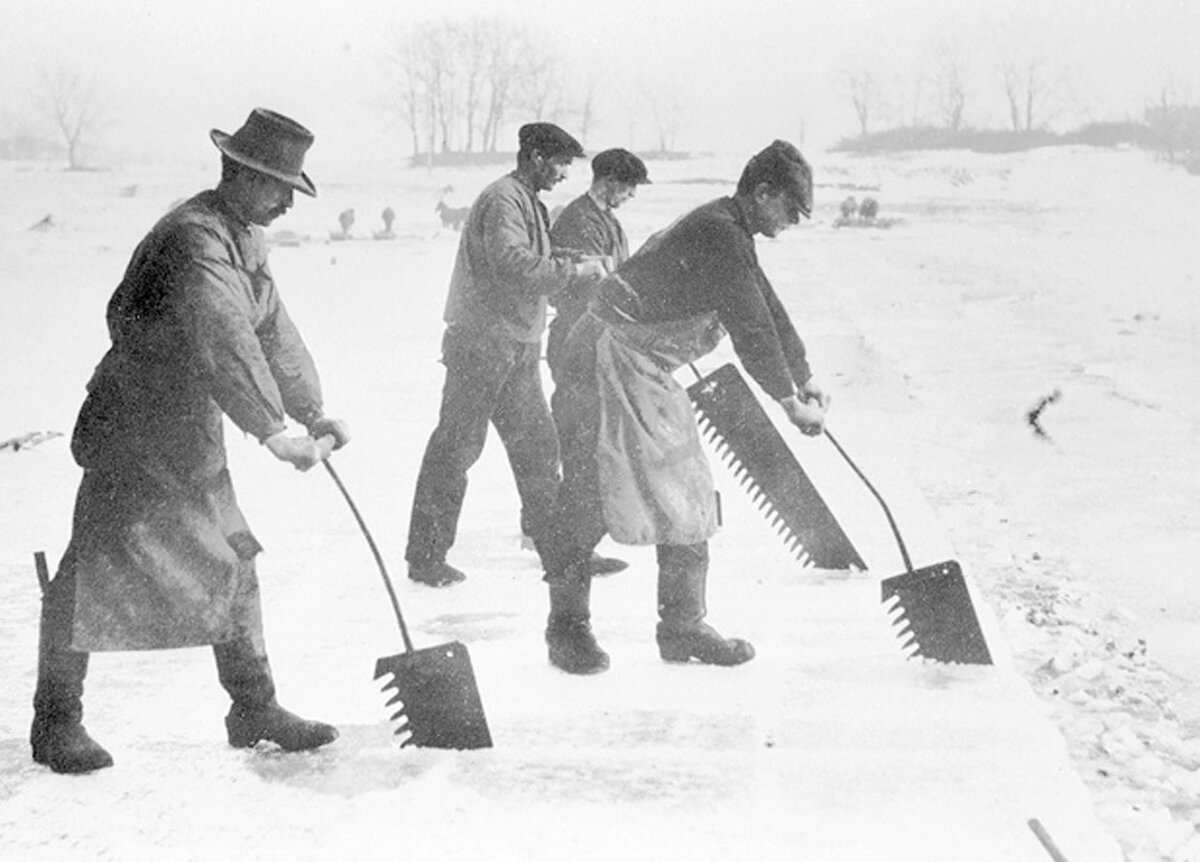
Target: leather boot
x=572 y=646
x=682 y=633
x=57 y=736
x=255 y=715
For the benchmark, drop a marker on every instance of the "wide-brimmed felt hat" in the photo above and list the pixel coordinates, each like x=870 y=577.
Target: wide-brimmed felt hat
x=271 y=144
x=620 y=165
x=549 y=140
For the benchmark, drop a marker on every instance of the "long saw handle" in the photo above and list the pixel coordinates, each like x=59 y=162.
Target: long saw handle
x=387 y=581
x=888 y=512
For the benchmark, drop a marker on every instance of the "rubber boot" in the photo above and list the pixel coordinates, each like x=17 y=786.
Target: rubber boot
x=255 y=715
x=57 y=736
x=682 y=633
x=572 y=646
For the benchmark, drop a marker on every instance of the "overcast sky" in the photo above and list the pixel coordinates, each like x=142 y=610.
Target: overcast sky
x=745 y=72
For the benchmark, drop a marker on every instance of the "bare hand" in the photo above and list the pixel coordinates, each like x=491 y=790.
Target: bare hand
x=807 y=416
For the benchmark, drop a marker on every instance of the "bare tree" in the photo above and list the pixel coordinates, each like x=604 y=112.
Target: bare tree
x=864 y=94
x=453 y=82
x=587 y=110
x=71 y=102
x=1028 y=90
x=950 y=78
x=667 y=112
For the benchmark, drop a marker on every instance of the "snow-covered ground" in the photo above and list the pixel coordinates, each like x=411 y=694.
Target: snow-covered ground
x=1001 y=281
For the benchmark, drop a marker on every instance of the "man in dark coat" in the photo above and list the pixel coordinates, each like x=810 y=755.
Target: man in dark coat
x=495 y=316
x=160 y=554
x=588 y=226
x=633 y=466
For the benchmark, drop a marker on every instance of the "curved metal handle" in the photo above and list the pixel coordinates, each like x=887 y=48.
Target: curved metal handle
x=387 y=581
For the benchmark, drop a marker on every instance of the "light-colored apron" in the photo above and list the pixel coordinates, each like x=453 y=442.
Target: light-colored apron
x=655 y=483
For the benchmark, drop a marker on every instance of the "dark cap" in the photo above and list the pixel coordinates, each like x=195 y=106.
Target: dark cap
x=780 y=166
x=620 y=165
x=549 y=140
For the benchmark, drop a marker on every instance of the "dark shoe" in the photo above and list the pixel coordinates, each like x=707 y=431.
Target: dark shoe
x=439 y=574
x=703 y=643
x=606 y=565
x=573 y=648
x=68 y=749
x=246 y=727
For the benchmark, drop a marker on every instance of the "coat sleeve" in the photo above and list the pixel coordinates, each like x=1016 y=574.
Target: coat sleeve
x=291 y=365
x=509 y=245
x=747 y=311
x=217 y=322
x=575 y=232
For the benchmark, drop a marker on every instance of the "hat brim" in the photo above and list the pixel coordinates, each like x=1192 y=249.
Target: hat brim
x=300 y=182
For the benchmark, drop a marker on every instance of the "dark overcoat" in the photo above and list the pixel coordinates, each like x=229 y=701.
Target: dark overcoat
x=160 y=553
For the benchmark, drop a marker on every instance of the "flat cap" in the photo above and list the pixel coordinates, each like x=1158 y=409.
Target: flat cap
x=620 y=165
x=781 y=166
x=549 y=140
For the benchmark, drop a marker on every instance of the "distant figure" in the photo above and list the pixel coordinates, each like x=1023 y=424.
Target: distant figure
x=868 y=209
x=849 y=208
x=452 y=217
x=389 y=216
x=45 y=223
x=346 y=221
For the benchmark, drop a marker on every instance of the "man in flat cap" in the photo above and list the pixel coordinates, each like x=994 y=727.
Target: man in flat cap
x=633 y=466
x=588 y=225
x=495 y=316
x=160 y=554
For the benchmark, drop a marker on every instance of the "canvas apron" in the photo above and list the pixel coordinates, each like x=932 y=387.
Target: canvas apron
x=655 y=484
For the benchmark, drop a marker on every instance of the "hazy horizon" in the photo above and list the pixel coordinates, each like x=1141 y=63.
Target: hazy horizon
x=742 y=73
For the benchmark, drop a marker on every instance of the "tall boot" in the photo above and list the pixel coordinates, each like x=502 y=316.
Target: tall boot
x=572 y=646
x=255 y=716
x=682 y=633
x=57 y=736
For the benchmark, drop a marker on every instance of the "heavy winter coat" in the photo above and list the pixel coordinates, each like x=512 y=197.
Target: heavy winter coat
x=161 y=553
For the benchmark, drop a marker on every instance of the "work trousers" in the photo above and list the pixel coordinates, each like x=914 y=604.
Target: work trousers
x=490 y=379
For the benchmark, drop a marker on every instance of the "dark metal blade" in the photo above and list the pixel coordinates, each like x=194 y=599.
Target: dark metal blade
x=440 y=699
x=932 y=609
x=765 y=466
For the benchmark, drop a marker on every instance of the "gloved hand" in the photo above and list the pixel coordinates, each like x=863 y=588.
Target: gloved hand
x=805 y=415
x=335 y=428
x=303 y=453
x=810 y=390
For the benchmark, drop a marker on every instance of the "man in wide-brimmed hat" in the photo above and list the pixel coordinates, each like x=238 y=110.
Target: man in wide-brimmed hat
x=160 y=554
x=495 y=317
x=633 y=466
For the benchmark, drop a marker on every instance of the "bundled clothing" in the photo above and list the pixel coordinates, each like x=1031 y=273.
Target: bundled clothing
x=160 y=554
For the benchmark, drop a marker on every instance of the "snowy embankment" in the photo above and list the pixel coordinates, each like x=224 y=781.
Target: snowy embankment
x=994 y=286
